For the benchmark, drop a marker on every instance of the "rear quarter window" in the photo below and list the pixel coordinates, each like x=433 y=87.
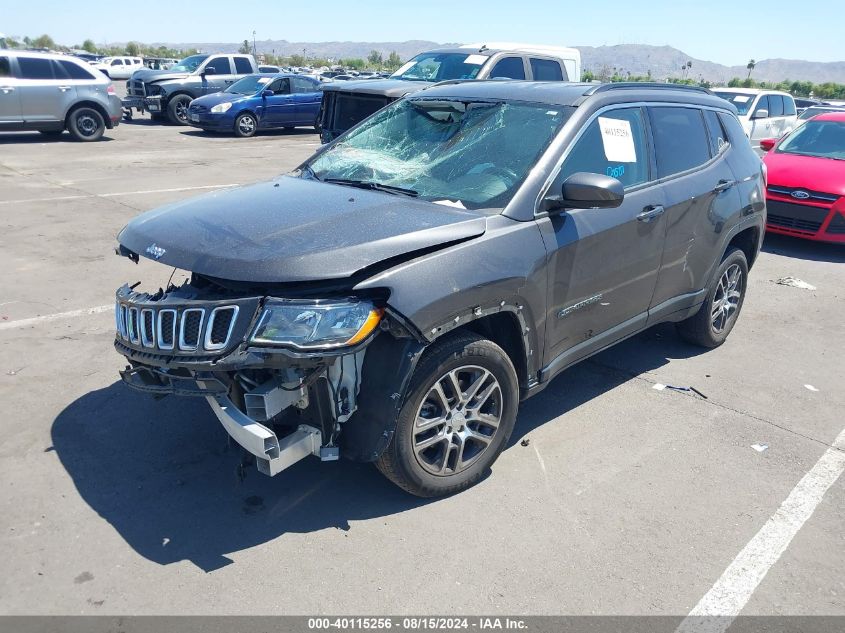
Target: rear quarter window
x=716 y=132
x=74 y=71
x=680 y=139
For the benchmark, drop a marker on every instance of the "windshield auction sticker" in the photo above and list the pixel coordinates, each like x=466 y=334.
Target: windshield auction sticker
x=618 y=140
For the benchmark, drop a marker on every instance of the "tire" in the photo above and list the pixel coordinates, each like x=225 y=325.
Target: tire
x=52 y=133
x=86 y=124
x=177 y=109
x=418 y=462
x=710 y=326
x=246 y=125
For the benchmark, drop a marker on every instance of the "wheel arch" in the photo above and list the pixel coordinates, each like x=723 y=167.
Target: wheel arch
x=748 y=241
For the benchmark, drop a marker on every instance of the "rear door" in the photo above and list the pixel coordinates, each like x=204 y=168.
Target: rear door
x=701 y=195
x=603 y=263
x=10 y=102
x=44 y=97
x=307 y=100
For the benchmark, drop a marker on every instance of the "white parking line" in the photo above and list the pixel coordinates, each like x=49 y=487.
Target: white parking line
x=10 y=325
x=121 y=193
x=726 y=599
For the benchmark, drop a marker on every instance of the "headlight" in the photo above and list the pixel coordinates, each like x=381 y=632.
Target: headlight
x=316 y=324
x=221 y=107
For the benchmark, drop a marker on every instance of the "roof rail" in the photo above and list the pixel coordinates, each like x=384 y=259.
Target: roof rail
x=633 y=85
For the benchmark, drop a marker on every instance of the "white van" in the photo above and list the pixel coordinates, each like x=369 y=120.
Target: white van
x=118 y=67
x=763 y=113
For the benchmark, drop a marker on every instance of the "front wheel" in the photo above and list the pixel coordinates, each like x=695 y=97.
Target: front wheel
x=177 y=109
x=86 y=124
x=457 y=418
x=245 y=125
x=710 y=326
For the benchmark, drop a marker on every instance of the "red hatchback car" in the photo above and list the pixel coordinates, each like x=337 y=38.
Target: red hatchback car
x=805 y=196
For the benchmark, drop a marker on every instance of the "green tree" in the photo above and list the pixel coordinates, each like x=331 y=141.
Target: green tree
x=246 y=48
x=587 y=76
x=393 y=61
x=11 y=42
x=355 y=63
x=750 y=66
x=133 y=48
x=375 y=58
x=297 y=60
x=734 y=82
x=88 y=45
x=44 y=41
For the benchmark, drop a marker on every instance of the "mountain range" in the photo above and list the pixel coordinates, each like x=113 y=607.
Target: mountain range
x=638 y=59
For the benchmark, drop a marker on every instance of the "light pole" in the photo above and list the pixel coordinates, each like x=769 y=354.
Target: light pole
x=254 y=51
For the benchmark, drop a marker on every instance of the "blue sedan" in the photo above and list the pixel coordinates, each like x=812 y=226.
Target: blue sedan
x=259 y=102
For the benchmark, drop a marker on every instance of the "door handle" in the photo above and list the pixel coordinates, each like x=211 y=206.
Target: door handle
x=7 y=89
x=64 y=88
x=651 y=212
x=723 y=185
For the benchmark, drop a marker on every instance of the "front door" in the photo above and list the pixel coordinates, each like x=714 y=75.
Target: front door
x=10 y=102
x=603 y=263
x=221 y=77
x=763 y=127
x=280 y=108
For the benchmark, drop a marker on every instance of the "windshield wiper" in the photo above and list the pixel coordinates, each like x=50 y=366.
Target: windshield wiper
x=374 y=186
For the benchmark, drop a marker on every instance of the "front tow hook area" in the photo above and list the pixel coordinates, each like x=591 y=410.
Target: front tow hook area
x=272 y=454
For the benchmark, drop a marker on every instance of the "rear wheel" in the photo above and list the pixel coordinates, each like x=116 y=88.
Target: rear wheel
x=177 y=109
x=86 y=124
x=246 y=125
x=710 y=326
x=458 y=417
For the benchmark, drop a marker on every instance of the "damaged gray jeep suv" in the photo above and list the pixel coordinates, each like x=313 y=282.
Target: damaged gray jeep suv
x=395 y=297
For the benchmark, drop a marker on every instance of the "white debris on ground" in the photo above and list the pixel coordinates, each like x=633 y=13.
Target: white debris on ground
x=759 y=447
x=795 y=283
x=810 y=387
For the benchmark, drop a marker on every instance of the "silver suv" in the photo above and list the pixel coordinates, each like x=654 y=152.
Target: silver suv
x=53 y=93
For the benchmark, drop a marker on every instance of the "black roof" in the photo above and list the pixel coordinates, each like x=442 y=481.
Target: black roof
x=570 y=93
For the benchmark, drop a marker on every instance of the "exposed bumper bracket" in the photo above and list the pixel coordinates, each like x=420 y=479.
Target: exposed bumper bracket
x=272 y=454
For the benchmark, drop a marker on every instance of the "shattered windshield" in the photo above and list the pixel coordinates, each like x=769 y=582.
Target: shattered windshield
x=249 y=85
x=441 y=67
x=189 y=64
x=469 y=154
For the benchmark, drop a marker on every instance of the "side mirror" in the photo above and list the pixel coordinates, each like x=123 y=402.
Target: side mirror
x=208 y=71
x=767 y=144
x=585 y=190
x=267 y=93
x=760 y=114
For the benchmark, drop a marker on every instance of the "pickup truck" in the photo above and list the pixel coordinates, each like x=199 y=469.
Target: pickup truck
x=168 y=93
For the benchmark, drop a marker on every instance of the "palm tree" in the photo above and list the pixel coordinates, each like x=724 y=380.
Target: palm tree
x=750 y=67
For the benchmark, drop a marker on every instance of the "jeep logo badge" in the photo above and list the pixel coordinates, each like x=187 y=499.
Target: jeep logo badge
x=155 y=251
x=801 y=195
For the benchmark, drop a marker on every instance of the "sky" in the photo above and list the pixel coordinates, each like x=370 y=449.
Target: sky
x=727 y=32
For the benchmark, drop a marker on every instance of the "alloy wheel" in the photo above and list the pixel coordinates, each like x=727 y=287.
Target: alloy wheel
x=457 y=420
x=726 y=299
x=246 y=124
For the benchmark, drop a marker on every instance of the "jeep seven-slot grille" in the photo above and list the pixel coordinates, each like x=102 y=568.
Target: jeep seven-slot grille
x=185 y=329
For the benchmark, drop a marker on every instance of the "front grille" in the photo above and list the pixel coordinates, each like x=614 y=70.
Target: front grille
x=800 y=217
x=816 y=196
x=837 y=225
x=136 y=88
x=183 y=330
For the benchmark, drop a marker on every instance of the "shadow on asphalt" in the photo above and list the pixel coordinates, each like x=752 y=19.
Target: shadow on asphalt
x=804 y=249
x=34 y=138
x=164 y=474
x=303 y=131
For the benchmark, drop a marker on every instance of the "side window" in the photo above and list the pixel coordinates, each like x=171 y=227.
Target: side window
x=280 y=86
x=680 y=140
x=510 y=67
x=75 y=71
x=35 y=68
x=302 y=85
x=220 y=65
x=242 y=66
x=546 y=70
x=716 y=132
x=762 y=104
x=5 y=68
x=613 y=144
x=788 y=106
x=117 y=62
x=775 y=105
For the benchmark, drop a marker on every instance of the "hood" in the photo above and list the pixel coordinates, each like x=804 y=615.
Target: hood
x=152 y=76
x=394 y=88
x=293 y=230
x=824 y=175
x=218 y=97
